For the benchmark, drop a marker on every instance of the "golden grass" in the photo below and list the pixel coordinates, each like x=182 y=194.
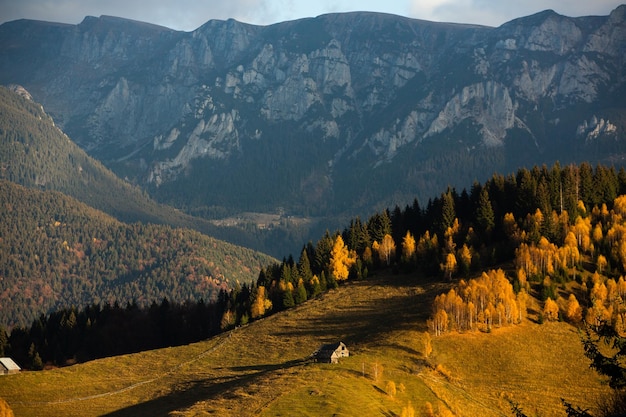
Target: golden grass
x=261 y=369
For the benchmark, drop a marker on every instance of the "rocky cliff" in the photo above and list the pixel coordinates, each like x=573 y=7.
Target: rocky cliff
x=340 y=112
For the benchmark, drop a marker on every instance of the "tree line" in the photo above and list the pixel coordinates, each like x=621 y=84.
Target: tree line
x=454 y=235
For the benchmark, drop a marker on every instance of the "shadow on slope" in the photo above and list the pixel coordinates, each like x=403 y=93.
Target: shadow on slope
x=363 y=314
x=189 y=392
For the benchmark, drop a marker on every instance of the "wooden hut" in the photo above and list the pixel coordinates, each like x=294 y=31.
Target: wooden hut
x=330 y=353
x=8 y=366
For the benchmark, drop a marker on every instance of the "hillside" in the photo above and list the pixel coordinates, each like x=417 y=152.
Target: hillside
x=261 y=368
x=342 y=114
x=35 y=153
x=56 y=252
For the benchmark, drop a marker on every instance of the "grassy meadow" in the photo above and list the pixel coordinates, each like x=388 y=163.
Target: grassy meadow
x=264 y=368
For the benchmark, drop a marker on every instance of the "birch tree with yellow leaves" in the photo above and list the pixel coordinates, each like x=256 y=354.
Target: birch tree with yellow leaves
x=386 y=249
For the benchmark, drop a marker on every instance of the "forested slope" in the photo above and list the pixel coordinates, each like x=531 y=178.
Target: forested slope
x=37 y=154
x=56 y=252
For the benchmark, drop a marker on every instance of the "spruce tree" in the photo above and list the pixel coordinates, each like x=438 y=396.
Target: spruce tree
x=485 y=219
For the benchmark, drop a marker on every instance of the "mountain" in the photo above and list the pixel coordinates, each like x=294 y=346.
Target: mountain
x=56 y=252
x=35 y=153
x=342 y=113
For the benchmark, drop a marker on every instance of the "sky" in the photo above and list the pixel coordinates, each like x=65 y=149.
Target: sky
x=188 y=15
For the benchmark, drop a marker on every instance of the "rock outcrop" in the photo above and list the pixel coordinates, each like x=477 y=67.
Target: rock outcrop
x=373 y=94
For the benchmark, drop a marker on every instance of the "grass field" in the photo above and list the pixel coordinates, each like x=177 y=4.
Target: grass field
x=263 y=368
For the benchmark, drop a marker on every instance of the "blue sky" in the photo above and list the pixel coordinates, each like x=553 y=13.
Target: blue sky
x=189 y=14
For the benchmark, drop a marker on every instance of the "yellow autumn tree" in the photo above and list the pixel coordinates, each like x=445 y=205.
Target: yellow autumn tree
x=440 y=322
x=408 y=246
x=5 y=410
x=428 y=410
x=449 y=266
x=596 y=234
x=601 y=263
x=367 y=256
x=521 y=277
x=621 y=288
x=551 y=310
x=408 y=411
x=427 y=344
x=341 y=259
x=509 y=225
x=571 y=249
x=261 y=304
x=582 y=230
x=599 y=292
x=385 y=249
x=574 y=312
x=621 y=251
x=465 y=256
x=597 y=314
x=619 y=205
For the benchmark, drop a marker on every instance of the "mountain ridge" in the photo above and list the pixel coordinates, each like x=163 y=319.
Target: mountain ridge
x=190 y=115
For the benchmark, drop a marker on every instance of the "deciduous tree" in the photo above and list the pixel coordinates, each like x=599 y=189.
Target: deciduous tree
x=408 y=411
x=341 y=259
x=449 y=266
x=386 y=249
x=261 y=304
x=408 y=247
x=551 y=310
x=574 y=311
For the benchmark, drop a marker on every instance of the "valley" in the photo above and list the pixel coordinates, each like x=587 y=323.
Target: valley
x=264 y=221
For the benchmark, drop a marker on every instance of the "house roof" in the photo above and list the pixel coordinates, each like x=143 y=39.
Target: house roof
x=331 y=346
x=9 y=364
x=330 y=350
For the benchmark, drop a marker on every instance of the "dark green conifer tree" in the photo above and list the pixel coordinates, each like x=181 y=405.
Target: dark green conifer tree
x=322 y=253
x=448 y=212
x=300 y=294
x=485 y=219
x=304 y=266
x=287 y=299
x=379 y=225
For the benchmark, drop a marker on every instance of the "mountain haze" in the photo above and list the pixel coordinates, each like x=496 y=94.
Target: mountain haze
x=341 y=113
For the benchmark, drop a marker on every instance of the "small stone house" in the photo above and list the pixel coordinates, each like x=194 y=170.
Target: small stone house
x=8 y=366
x=330 y=353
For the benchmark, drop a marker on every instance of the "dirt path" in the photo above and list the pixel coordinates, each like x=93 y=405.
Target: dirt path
x=224 y=338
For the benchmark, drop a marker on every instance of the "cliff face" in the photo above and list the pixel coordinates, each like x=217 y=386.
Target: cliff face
x=332 y=113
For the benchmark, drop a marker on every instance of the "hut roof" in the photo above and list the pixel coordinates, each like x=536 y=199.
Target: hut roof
x=331 y=351
x=9 y=364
